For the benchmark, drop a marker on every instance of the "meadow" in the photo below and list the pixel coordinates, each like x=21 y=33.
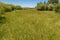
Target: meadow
x=30 y=24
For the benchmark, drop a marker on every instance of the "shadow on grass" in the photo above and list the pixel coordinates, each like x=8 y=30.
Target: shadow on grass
x=2 y=33
x=2 y=20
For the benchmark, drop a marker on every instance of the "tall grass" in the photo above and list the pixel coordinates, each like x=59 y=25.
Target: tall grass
x=31 y=25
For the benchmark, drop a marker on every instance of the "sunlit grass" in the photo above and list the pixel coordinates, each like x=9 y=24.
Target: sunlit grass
x=31 y=25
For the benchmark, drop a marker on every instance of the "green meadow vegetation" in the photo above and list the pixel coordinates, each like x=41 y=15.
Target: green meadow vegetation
x=39 y=23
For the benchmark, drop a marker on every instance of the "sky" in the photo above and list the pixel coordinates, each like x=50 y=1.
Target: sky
x=23 y=3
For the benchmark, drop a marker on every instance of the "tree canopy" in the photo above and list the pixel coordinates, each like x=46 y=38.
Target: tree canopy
x=53 y=1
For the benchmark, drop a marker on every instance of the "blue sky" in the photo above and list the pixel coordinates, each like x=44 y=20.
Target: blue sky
x=23 y=3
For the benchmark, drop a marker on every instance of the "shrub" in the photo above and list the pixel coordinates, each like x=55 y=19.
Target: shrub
x=45 y=6
x=2 y=19
x=18 y=7
x=13 y=7
x=2 y=10
x=8 y=8
x=40 y=7
x=57 y=8
x=50 y=7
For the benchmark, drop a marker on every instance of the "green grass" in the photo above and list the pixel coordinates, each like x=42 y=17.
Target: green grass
x=31 y=25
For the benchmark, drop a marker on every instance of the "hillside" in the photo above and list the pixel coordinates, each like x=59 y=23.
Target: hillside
x=31 y=25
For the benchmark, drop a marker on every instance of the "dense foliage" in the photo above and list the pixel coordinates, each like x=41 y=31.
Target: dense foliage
x=57 y=7
x=44 y=7
x=51 y=5
x=40 y=6
x=48 y=7
x=18 y=7
x=53 y=1
x=7 y=8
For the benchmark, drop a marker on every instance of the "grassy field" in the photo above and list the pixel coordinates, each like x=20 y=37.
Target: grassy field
x=31 y=25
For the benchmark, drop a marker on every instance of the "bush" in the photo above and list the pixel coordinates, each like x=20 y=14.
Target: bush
x=57 y=8
x=7 y=8
x=13 y=7
x=40 y=7
x=2 y=19
x=46 y=7
x=50 y=7
x=18 y=7
x=2 y=10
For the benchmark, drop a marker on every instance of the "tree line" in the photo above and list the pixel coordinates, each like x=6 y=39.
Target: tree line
x=51 y=5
